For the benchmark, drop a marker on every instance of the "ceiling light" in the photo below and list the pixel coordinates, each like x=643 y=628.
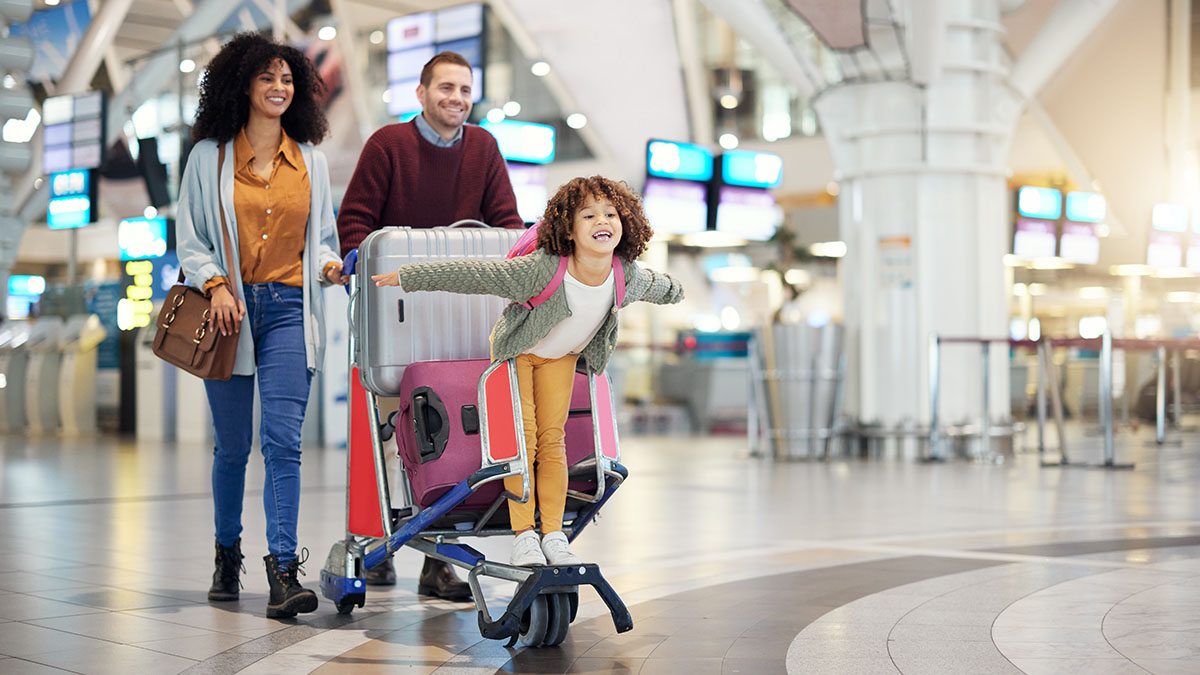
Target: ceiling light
x=1174 y=273
x=1093 y=293
x=327 y=33
x=828 y=249
x=1103 y=230
x=52 y=3
x=187 y=66
x=728 y=141
x=1036 y=289
x=735 y=275
x=1011 y=260
x=577 y=120
x=1131 y=270
x=387 y=95
x=150 y=212
x=495 y=116
x=9 y=81
x=798 y=277
x=512 y=108
x=729 y=101
x=541 y=69
x=1052 y=263
x=376 y=37
x=832 y=188
x=711 y=239
x=1019 y=290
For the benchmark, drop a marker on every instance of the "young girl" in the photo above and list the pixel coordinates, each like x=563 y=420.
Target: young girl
x=589 y=221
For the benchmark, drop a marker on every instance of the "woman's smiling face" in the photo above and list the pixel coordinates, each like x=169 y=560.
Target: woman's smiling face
x=271 y=90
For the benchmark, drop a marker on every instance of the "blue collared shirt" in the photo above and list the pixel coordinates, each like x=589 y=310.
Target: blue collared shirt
x=428 y=133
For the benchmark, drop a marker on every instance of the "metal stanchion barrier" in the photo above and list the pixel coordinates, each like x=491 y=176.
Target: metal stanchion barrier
x=935 y=445
x=1048 y=379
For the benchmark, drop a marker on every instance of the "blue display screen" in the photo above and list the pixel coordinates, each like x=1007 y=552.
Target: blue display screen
x=139 y=238
x=69 y=183
x=1086 y=207
x=668 y=159
x=523 y=141
x=1039 y=202
x=65 y=213
x=751 y=169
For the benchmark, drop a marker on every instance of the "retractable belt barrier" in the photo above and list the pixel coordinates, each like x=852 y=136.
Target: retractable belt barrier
x=1048 y=381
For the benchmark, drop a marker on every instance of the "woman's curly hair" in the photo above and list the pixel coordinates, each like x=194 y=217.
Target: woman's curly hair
x=225 y=105
x=554 y=234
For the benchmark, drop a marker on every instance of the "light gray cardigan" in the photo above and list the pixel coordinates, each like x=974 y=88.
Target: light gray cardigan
x=202 y=254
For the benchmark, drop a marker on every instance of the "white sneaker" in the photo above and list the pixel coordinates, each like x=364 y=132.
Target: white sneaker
x=526 y=551
x=558 y=551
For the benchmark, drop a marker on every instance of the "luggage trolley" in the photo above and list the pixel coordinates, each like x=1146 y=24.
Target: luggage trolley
x=394 y=333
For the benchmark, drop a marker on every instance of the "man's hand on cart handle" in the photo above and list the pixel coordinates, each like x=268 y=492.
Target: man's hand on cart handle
x=348 y=267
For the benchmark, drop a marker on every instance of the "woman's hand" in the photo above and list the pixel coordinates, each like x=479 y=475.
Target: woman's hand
x=227 y=310
x=392 y=279
x=334 y=276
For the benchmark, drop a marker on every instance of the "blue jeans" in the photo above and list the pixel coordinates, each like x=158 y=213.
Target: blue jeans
x=276 y=314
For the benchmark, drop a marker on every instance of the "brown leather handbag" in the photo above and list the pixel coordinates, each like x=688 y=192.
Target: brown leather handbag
x=187 y=336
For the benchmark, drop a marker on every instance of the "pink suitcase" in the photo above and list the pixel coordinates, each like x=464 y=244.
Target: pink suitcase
x=437 y=431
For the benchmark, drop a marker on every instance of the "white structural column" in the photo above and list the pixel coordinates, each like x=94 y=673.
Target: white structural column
x=923 y=212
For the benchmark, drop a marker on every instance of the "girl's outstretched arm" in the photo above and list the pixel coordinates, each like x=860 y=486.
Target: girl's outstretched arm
x=656 y=287
x=515 y=279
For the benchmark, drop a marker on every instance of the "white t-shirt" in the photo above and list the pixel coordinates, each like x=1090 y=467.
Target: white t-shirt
x=589 y=308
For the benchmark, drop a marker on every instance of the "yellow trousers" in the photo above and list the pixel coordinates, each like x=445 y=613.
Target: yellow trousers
x=545 y=386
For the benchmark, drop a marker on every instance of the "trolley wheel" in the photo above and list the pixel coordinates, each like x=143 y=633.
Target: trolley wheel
x=534 y=623
x=560 y=619
x=348 y=603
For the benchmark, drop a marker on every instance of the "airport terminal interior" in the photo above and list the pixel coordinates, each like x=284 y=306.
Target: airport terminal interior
x=924 y=396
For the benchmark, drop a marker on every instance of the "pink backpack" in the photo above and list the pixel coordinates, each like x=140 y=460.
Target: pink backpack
x=528 y=244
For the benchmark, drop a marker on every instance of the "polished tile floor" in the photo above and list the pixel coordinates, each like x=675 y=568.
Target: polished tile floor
x=728 y=564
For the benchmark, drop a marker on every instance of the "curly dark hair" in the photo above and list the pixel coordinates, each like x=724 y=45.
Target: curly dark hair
x=225 y=106
x=555 y=231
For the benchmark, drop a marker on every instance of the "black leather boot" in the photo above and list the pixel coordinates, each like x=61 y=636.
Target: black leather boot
x=383 y=574
x=438 y=580
x=288 y=598
x=227 y=582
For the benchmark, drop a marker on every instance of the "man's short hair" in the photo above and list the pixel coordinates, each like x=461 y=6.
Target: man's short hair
x=453 y=58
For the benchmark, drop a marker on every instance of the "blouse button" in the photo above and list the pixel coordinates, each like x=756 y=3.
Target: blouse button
x=268 y=212
x=264 y=236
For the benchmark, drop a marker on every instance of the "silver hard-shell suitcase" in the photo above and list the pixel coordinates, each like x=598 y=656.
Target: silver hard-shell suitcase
x=395 y=329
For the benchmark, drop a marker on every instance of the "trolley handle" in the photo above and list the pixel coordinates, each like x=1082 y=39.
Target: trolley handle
x=469 y=222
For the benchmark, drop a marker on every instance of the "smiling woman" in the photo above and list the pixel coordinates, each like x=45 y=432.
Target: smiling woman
x=254 y=182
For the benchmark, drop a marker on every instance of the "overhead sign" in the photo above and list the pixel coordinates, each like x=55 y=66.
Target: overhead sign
x=140 y=238
x=413 y=39
x=1086 y=207
x=685 y=161
x=1039 y=202
x=1168 y=217
x=523 y=141
x=72 y=194
x=26 y=285
x=675 y=207
x=73 y=132
x=751 y=169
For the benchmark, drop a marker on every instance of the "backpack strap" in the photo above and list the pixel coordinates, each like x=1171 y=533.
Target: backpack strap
x=561 y=273
x=548 y=291
x=619 y=280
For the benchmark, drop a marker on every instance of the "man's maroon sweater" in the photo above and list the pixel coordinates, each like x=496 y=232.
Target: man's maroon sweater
x=403 y=179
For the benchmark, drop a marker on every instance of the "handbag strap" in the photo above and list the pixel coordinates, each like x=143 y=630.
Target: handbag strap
x=220 y=211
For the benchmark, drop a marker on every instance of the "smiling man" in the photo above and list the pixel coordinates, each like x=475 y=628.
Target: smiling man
x=429 y=172
x=433 y=170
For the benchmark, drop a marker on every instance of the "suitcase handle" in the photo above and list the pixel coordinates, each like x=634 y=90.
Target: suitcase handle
x=469 y=222
x=431 y=424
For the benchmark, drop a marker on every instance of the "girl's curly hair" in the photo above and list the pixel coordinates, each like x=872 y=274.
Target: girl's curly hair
x=225 y=105
x=554 y=234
